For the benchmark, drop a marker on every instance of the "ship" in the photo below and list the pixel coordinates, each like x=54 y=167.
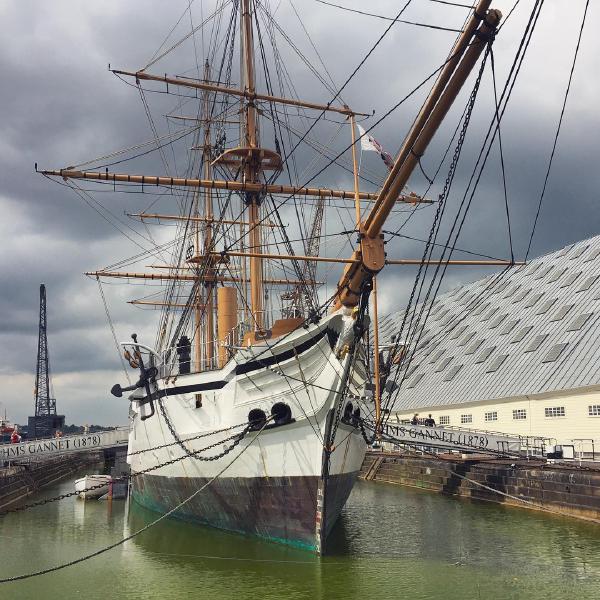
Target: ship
x=248 y=411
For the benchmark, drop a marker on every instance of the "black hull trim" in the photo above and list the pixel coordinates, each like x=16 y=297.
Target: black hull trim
x=280 y=509
x=245 y=368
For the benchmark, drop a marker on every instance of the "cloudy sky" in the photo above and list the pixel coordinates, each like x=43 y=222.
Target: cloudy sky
x=61 y=106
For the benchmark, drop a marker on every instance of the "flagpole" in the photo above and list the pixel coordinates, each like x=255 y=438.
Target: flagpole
x=355 y=169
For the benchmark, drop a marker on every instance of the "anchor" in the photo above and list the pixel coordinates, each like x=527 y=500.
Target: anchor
x=147 y=376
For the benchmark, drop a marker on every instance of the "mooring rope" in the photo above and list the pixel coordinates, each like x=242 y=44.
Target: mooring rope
x=135 y=533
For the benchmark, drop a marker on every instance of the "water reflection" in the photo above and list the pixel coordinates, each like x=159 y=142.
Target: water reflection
x=390 y=542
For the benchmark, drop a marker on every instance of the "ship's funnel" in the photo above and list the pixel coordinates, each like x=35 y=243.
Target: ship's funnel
x=227 y=320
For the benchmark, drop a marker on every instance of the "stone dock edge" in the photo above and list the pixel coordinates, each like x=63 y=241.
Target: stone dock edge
x=570 y=489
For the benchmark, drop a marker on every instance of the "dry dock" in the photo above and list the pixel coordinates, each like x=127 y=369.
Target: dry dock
x=534 y=484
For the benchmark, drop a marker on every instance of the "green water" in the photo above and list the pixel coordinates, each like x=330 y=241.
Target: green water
x=391 y=542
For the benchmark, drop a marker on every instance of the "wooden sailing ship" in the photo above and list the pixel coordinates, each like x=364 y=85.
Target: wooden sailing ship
x=226 y=360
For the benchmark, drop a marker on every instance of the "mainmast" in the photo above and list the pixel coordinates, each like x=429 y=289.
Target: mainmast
x=252 y=168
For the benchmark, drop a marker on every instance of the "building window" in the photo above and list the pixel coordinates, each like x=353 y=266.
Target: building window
x=509 y=327
x=520 y=296
x=466 y=339
x=560 y=314
x=533 y=300
x=556 y=275
x=501 y=287
x=512 y=291
x=466 y=418
x=594 y=410
x=498 y=320
x=519 y=414
x=484 y=355
x=415 y=381
x=554 y=411
x=490 y=313
x=565 y=250
x=521 y=334
x=592 y=255
x=474 y=347
x=588 y=283
x=458 y=332
x=543 y=272
x=445 y=420
x=536 y=343
x=481 y=308
x=437 y=356
x=452 y=373
x=554 y=353
x=496 y=363
x=570 y=279
x=579 y=322
x=491 y=416
x=444 y=364
x=546 y=306
x=578 y=252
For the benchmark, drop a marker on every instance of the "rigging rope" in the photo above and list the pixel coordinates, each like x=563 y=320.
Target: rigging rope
x=367 y=14
x=558 y=128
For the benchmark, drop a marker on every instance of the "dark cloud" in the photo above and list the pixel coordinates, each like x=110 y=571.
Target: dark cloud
x=61 y=106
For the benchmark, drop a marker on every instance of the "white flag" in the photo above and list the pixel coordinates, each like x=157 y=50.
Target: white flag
x=369 y=143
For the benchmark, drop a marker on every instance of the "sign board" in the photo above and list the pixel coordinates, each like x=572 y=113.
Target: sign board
x=71 y=443
x=454 y=439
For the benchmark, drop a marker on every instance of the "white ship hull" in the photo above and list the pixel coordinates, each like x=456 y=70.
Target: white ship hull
x=284 y=486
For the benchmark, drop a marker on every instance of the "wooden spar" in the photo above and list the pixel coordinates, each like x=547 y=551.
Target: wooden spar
x=413 y=150
x=371 y=254
x=355 y=173
x=250 y=96
x=436 y=91
x=221 y=184
x=456 y=262
x=199 y=120
x=376 y=357
x=192 y=219
x=152 y=303
x=181 y=277
x=392 y=261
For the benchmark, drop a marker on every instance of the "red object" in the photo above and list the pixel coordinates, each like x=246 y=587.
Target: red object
x=15 y=438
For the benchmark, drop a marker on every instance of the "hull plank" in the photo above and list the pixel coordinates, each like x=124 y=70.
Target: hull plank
x=281 y=509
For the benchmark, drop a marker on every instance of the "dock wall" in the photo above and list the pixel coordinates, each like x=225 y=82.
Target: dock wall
x=565 y=488
x=19 y=481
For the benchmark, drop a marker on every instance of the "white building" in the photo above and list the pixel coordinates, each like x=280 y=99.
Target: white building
x=516 y=352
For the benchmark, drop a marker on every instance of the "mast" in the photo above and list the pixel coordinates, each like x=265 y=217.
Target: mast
x=208 y=307
x=252 y=168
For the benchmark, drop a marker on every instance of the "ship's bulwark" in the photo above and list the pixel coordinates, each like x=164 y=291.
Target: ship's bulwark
x=281 y=509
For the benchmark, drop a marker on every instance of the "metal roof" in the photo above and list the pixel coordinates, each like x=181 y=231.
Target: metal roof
x=519 y=324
